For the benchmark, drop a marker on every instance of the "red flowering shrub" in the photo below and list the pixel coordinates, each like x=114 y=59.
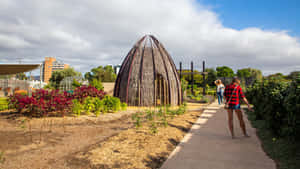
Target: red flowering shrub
x=42 y=102
x=82 y=92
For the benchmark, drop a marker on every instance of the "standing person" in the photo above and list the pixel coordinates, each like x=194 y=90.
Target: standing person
x=233 y=92
x=220 y=91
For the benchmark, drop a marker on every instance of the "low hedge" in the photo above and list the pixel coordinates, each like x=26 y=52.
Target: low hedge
x=278 y=103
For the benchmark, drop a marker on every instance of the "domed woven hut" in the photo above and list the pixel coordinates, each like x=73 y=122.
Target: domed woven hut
x=148 y=76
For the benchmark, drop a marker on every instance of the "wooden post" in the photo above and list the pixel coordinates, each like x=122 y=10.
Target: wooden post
x=204 y=81
x=160 y=91
x=180 y=76
x=180 y=70
x=165 y=92
x=155 y=90
x=192 y=77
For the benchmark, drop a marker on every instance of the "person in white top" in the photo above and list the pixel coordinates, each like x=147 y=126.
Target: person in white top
x=220 y=90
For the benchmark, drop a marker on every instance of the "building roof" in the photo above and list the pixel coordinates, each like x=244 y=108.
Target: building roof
x=9 y=69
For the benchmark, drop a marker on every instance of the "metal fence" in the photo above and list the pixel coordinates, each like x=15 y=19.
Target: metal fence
x=8 y=86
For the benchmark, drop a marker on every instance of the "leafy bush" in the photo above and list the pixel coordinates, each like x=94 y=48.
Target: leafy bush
x=3 y=104
x=111 y=104
x=82 y=92
x=42 y=102
x=96 y=105
x=76 y=84
x=123 y=106
x=89 y=105
x=76 y=107
x=97 y=84
x=292 y=105
x=278 y=103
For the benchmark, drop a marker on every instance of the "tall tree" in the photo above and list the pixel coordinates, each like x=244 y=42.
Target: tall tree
x=257 y=74
x=249 y=72
x=59 y=75
x=244 y=73
x=211 y=76
x=103 y=74
x=224 y=71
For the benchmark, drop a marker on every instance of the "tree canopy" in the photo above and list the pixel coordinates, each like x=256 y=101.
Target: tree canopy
x=104 y=74
x=249 y=72
x=211 y=76
x=59 y=75
x=198 y=78
x=224 y=71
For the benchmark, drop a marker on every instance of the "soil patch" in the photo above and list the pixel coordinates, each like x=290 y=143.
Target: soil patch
x=138 y=148
x=50 y=142
x=108 y=141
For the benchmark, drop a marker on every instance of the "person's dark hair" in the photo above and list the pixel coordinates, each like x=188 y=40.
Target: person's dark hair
x=235 y=80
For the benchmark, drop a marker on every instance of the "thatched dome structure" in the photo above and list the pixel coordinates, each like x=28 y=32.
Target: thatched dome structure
x=148 y=76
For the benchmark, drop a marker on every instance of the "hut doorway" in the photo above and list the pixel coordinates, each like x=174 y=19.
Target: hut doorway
x=161 y=90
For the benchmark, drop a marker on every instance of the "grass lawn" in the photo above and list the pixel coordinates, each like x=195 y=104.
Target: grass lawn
x=284 y=152
x=3 y=103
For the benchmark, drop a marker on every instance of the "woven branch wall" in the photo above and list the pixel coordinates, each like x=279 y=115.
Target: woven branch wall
x=148 y=76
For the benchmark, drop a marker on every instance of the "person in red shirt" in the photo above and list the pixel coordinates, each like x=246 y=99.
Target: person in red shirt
x=233 y=93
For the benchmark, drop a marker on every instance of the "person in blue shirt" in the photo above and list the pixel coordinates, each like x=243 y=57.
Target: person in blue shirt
x=220 y=91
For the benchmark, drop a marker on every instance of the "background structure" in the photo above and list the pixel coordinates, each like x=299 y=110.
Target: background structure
x=148 y=76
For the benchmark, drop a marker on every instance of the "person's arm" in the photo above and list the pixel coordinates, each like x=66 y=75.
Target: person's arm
x=245 y=99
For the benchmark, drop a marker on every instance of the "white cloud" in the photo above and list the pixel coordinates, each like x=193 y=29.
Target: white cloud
x=12 y=42
x=91 y=33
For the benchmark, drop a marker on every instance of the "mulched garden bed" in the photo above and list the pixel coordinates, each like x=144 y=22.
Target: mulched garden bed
x=138 y=147
x=107 y=141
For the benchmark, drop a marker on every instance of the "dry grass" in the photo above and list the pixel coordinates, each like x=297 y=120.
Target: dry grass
x=107 y=141
x=51 y=142
x=139 y=148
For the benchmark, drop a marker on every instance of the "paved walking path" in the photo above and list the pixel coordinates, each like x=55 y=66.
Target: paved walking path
x=209 y=145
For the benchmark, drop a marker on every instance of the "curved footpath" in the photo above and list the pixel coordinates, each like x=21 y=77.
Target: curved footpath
x=208 y=145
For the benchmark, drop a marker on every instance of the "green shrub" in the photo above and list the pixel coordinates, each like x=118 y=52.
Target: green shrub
x=278 y=103
x=107 y=104
x=111 y=104
x=77 y=107
x=292 y=105
x=97 y=84
x=3 y=104
x=98 y=106
x=123 y=106
x=76 y=84
x=89 y=105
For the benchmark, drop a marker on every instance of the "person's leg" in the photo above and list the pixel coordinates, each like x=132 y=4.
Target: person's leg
x=219 y=98
x=230 y=122
x=239 y=114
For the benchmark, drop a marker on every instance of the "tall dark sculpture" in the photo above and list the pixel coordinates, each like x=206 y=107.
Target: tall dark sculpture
x=148 y=76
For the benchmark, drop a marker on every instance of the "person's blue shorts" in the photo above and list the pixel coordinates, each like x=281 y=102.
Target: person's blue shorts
x=235 y=107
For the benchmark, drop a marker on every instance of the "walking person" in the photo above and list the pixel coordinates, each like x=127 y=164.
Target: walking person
x=233 y=93
x=220 y=90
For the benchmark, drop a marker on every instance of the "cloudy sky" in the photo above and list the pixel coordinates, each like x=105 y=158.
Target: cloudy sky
x=90 y=33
